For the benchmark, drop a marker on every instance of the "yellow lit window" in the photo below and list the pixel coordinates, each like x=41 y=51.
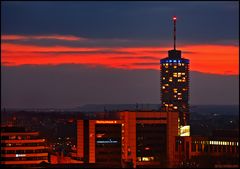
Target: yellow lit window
x=175 y=107
x=139 y=159
x=166 y=105
x=179 y=80
x=182 y=64
x=179 y=93
x=166 y=64
x=174 y=67
x=170 y=79
x=183 y=73
x=166 y=71
x=183 y=80
x=175 y=96
x=163 y=87
x=163 y=78
x=166 y=84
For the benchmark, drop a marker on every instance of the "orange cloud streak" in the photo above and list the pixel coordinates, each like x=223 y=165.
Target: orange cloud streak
x=217 y=59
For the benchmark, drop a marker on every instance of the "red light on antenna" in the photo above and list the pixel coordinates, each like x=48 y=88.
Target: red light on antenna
x=174 y=18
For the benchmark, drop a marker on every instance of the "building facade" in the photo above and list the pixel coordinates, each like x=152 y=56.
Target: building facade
x=174 y=83
x=207 y=152
x=134 y=139
x=22 y=148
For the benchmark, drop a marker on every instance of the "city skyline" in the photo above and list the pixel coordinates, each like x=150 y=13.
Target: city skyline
x=45 y=56
x=113 y=91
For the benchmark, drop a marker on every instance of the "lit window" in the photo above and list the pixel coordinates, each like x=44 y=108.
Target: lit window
x=175 y=96
x=163 y=87
x=183 y=73
x=145 y=159
x=166 y=84
x=182 y=64
x=174 y=67
x=179 y=80
x=166 y=105
x=139 y=159
x=166 y=64
x=12 y=137
x=163 y=78
x=179 y=93
x=166 y=71
x=175 y=107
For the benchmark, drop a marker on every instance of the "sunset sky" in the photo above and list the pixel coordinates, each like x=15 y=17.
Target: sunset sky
x=126 y=36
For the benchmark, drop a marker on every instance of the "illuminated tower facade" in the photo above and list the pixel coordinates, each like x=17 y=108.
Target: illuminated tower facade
x=175 y=83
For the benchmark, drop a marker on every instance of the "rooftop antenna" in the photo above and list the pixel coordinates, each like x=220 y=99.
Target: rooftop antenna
x=174 y=31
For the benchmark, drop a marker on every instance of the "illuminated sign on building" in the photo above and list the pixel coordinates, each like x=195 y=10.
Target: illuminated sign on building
x=106 y=121
x=20 y=155
x=110 y=141
x=184 y=130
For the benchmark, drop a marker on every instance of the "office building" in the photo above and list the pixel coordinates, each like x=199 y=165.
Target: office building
x=137 y=139
x=175 y=83
x=21 y=148
x=207 y=152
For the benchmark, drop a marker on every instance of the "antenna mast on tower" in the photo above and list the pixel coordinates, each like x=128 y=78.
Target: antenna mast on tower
x=174 y=32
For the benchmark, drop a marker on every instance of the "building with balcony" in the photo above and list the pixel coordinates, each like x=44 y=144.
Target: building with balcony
x=22 y=148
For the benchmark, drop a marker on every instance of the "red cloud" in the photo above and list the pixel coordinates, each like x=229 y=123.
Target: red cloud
x=217 y=59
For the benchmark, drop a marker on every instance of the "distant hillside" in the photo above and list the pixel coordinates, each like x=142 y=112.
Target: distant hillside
x=196 y=109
